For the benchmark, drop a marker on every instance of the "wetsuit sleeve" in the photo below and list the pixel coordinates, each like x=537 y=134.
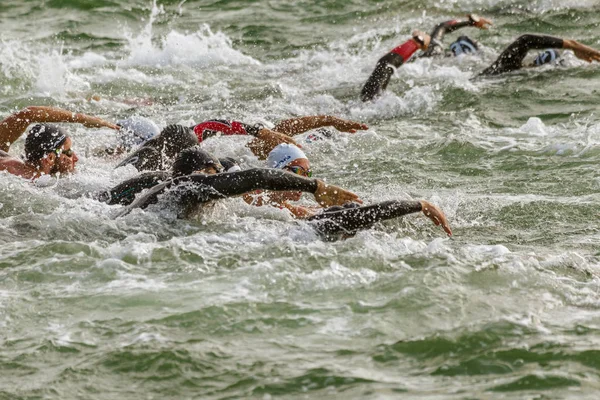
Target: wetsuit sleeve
x=200 y=188
x=349 y=220
x=438 y=33
x=380 y=77
x=214 y=127
x=125 y=192
x=144 y=159
x=511 y=59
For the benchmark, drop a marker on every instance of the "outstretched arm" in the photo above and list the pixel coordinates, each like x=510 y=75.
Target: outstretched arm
x=125 y=192
x=438 y=33
x=511 y=59
x=265 y=141
x=349 y=220
x=581 y=51
x=295 y=126
x=380 y=77
x=13 y=126
x=199 y=188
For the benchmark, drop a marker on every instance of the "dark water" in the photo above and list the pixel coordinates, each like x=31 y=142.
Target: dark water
x=247 y=303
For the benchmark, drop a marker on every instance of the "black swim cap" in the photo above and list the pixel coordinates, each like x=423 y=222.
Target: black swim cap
x=230 y=164
x=463 y=45
x=43 y=139
x=194 y=159
x=173 y=139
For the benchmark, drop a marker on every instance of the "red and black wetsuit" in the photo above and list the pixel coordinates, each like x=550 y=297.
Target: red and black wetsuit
x=511 y=59
x=214 y=127
x=380 y=77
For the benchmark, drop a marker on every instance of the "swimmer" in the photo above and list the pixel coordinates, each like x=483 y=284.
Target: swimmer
x=193 y=163
x=133 y=132
x=380 y=77
x=48 y=148
x=463 y=44
x=266 y=139
x=292 y=159
x=208 y=184
x=189 y=161
x=158 y=152
x=511 y=59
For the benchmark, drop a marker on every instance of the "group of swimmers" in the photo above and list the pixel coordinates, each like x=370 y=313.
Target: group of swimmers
x=511 y=59
x=172 y=163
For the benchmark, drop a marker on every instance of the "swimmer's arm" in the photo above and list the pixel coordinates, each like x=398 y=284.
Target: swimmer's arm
x=383 y=211
x=295 y=126
x=450 y=26
x=125 y=192
x=237 y=183
x=12 y=127
x=581 y=51
x=200 y=188
x=266 y=140
x=259 y=200
x=512 y=57
x=299 y=212
x=380 y=77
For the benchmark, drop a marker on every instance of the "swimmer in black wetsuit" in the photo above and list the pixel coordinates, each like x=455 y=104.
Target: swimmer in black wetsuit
x=190 y=191
x=194 y=191
x=511 y=59
x=158 y=153
x=333 y=220
x=464 y=43
x=189 y=161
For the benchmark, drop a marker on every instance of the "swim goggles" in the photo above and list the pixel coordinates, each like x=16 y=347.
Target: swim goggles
x=298 y=170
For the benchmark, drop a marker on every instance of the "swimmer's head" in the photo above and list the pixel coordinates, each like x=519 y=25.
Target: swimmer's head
x=289 y=158
x=545 y=57
x=195 y=160
x=173 y=139
x=48 y=148
x=230 y=164
x=463 y=45
x=136 y=131
x=283 y=155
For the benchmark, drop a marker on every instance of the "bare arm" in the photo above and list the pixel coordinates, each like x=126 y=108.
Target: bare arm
x=581 y=51
x=12 y=127
x=266 y=140
x=295 y=126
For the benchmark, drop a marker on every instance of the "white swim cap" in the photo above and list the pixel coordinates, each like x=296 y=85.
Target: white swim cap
x=137 y=130
x=284 y=154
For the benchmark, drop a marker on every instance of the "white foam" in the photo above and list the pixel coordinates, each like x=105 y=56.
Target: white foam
x=202 y=48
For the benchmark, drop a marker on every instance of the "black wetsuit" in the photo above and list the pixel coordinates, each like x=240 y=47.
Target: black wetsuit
x=340 y=222
x=158 y=152
x=438 y=33
x=124 y=193
x=511 y=59
x=332 y=223
x=195 y=189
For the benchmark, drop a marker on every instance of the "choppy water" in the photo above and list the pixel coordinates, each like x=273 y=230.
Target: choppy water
x=247 y=303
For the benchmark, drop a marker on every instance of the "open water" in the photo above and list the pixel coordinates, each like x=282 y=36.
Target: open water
x=245 y=302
